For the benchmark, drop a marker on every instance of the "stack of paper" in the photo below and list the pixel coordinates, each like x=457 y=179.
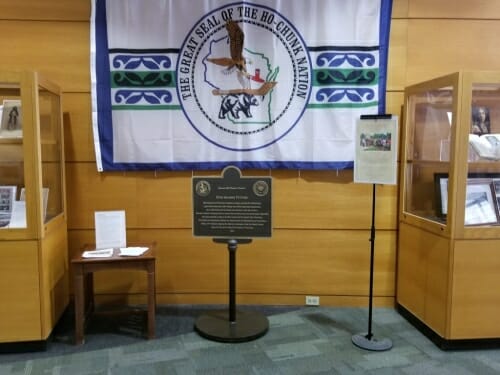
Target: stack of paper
x=103 y=253
x=132 y=251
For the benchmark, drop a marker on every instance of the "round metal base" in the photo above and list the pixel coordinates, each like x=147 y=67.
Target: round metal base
x=361 y=341
x=248 y=326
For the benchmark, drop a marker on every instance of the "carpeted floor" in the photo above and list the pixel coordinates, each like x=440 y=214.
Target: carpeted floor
x=312 y=340
x=110 y=328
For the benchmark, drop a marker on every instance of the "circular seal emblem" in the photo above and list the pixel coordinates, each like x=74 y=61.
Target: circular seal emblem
x=243 y=76
x=202 y=188
x=260 y=188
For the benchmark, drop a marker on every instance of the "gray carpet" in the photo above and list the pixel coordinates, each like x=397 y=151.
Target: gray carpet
x=314 y=340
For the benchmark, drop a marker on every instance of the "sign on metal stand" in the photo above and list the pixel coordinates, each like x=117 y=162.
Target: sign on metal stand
x=376 y=163
x=232 y=209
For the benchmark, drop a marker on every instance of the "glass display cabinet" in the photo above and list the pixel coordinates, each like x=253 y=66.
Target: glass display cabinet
x=33 y=232
x=448 y=268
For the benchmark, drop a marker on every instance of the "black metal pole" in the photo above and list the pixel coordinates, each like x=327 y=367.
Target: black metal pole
x=372 y=256
x=217 y=325
x=232 y=245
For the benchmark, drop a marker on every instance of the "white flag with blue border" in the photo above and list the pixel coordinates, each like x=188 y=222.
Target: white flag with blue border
x=184 y=85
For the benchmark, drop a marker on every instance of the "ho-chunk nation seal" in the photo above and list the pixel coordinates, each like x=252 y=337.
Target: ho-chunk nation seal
x=243 y=76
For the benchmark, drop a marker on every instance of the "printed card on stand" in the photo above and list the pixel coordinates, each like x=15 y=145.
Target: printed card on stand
x=110 y=229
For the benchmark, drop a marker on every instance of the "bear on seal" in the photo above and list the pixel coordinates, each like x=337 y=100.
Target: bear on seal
x=236 y=103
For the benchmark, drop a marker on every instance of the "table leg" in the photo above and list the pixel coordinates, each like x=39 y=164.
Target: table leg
x=89 y=293
x=79 y=304
x=151 y=301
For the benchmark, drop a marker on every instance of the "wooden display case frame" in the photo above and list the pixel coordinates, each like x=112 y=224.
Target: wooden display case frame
x=34 y=277
x=447 y=271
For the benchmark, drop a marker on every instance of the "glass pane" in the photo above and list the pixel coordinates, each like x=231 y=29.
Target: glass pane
x=12 y=210
x=429 y=131
x=431 y=124
x=50 y=136
x=483 y=178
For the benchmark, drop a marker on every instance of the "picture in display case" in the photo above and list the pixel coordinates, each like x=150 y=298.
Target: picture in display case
x=496 y=189
x=482 y=202
x=7 y=199
x=480 y=206
x=480 y=123
x=12 y=120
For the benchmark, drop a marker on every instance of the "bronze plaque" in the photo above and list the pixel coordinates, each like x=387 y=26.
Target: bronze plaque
x=232 y=206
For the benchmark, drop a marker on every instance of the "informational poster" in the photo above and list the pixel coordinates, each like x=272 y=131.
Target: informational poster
x=376 y=150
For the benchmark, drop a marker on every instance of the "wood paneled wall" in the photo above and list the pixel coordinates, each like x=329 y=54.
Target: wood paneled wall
x=321 y=219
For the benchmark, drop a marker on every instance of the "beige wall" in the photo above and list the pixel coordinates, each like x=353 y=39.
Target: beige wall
x=321 y=219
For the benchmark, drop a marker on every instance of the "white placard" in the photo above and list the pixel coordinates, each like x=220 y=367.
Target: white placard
x=133 y=251
x=376 y=146
x=102 y=253
x=18 y=217
x=110 y=229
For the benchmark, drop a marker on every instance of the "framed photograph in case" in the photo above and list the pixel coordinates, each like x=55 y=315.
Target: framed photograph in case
x=12 y=120
x=496 y=188
x=480 y=204
x=7 y=199
x=441 y=190
x=480 y=123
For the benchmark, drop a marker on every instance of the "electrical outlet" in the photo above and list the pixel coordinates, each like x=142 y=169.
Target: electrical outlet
x=312 y=300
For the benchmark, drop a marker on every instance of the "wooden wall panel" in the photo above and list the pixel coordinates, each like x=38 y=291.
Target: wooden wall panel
x=330 y=200
x=60 y=50
x=78 y=136
x=88 y=191
x=440 y=47
x=300 y=262
x=69 y=10
x=396 y=63
x=394 y=104
x=400 y=8
x=321 y=200
x=79 y=10
x=149 y=202
x=454 y=9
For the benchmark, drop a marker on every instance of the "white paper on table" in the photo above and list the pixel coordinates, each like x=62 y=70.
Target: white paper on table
x=103 y=253
x=110 y=229
x=133 y=251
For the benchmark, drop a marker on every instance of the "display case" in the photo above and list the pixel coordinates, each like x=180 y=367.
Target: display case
x=449 y=222
x=33 y=231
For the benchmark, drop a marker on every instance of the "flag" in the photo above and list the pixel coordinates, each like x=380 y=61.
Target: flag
x=185 y=85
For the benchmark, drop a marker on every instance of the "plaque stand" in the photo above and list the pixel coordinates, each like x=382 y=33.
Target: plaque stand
x=367 y=341
x=232 y=325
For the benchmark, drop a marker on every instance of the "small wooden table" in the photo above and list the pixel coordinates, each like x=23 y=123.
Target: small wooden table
x=83 y=282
